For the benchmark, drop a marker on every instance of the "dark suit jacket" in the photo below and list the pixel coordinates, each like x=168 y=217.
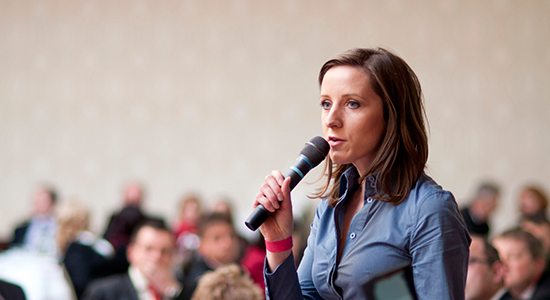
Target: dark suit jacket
x=115 y=287
x=542 y=291
x=473 y=227
x=84 y=264
x=192 y=271
x=10 y=291
x=19 y=234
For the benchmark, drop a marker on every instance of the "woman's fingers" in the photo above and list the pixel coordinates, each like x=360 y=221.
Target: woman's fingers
x=271 y=192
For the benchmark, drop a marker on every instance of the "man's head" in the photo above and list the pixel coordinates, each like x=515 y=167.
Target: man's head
x=485 y=270
x=44 y=200
x=133 y=194
x=486 y=200
x=523 y=258
x=219 y=243
x=151 y=246
x=539 y=228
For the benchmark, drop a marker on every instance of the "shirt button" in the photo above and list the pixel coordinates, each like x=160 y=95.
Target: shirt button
x=352 y=235
x=369 y=200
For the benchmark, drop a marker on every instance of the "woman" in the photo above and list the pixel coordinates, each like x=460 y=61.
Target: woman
x=380 y=209
x=85 y=257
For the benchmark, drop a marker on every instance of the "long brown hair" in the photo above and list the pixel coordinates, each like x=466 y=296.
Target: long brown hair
x=404 y=150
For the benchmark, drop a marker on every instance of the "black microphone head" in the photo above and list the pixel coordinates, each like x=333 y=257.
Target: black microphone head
x=315 y=150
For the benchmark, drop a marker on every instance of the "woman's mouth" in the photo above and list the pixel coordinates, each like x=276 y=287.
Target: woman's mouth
x=334 y=141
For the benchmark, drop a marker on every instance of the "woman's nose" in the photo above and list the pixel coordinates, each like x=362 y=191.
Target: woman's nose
x=333 y=118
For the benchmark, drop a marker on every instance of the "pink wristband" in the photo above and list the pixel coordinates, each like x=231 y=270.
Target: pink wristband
x=279 y=246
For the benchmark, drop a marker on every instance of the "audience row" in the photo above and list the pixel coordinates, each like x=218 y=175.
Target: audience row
x=202 y=257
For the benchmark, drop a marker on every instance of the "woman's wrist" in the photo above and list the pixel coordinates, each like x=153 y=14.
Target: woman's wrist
x=274 y=259
x=280 y=245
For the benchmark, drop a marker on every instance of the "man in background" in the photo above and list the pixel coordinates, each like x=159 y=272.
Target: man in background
x=485 y=279
x=150 y=275
x=477 y=213
x=219 y=245
x=38 y=233
x=122 y=224
x=524 y=264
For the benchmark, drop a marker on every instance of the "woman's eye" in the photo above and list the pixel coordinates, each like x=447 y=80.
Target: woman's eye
x=325 y=104
x=353 y=104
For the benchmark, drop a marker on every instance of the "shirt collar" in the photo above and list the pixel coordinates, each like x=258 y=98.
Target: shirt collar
x=139 y=281
x=528 y=293
x=349 y=182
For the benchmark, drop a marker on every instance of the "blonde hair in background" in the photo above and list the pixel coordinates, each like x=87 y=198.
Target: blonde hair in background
x=73 y=218
x=227 y=282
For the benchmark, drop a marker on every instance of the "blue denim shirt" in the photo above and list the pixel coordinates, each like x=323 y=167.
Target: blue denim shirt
x=426 y=231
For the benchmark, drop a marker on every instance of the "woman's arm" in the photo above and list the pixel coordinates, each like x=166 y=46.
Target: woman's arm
x=439 y=248
x=286 y=283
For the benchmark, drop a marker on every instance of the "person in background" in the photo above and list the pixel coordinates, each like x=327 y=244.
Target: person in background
x=380 y=209
x=122 y=224
x=251 y=252
x=524 y=263
x=479 y=210
x=150 y=275
x=228 y=282
x=187 y=227
x=219 y=245
x=38 y=234
x=223 y=206
x=485 y=279
x=539 y=228
x=533 y=203
x=84 y=256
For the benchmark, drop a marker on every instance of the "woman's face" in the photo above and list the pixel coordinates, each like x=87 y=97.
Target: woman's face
x=352 y=117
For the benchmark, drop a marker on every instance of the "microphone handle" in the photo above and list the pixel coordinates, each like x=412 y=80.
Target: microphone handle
x=296 y=173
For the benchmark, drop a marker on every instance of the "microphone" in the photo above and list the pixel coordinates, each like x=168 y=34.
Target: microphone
x=313 y=153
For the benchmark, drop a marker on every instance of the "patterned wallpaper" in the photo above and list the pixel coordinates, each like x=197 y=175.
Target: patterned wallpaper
x=210 y=96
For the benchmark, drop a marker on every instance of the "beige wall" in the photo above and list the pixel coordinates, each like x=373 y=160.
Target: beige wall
x=210 y=96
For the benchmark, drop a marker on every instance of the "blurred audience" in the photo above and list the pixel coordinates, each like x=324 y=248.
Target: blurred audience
x=524 y=263
x=227 y=283
x=150 y=275
x=533 y=203
x=10 y=291
x=479 y=210
x=219 y=245
x=84 y=256
x=38 y=233
x=485 y=279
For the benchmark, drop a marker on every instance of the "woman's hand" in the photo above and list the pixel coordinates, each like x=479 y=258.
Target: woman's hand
x=274 y=195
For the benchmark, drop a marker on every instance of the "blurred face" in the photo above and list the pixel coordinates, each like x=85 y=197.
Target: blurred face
x=43 y=203
x=482 y=280
x=529 y=203
x=488 y=204
x=219 y=244
x=152 y=249
x=521 y=270
x=352 y=117
x=133 y=194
